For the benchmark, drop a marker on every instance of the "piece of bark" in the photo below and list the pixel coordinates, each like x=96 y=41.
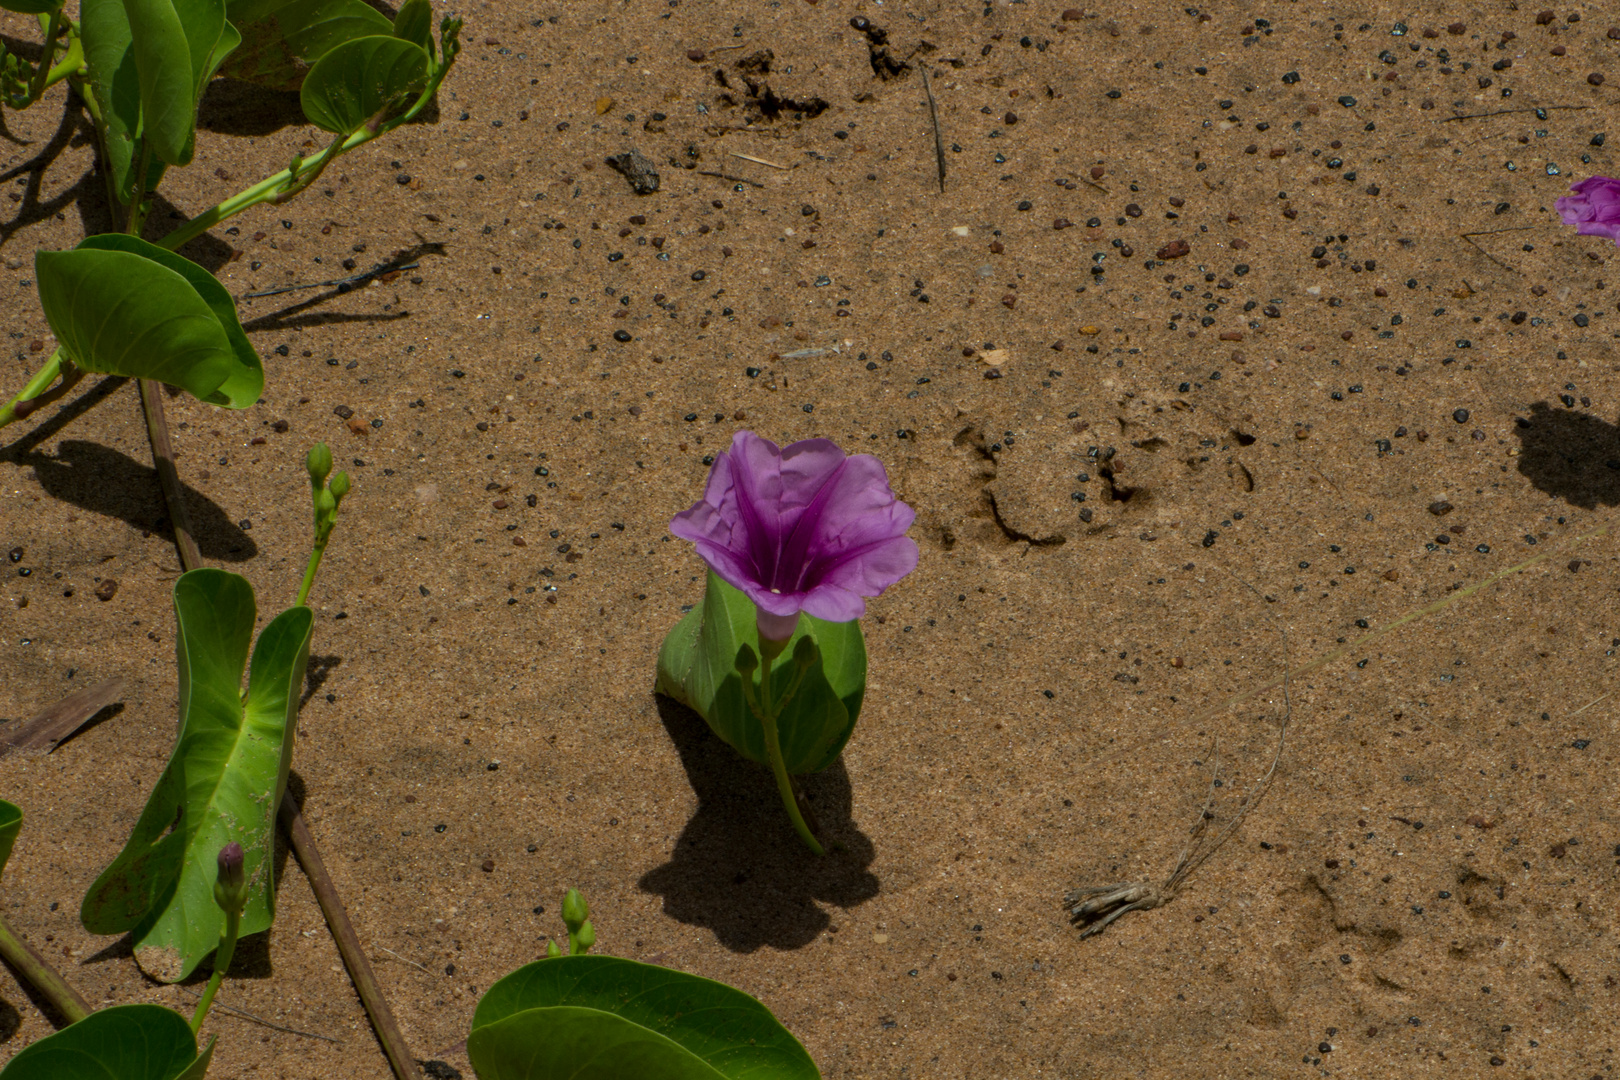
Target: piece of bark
x=47 y=729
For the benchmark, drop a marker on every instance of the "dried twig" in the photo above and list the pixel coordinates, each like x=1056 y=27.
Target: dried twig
x=262 y=1022
x=348 y=943
x=46 y=729
x=358 y=279
x=1505 y=112
x=404 y=960
x=157 y=430
x=1096 y=906
x=759 y=160
x=1469 y=236
x=933 y=113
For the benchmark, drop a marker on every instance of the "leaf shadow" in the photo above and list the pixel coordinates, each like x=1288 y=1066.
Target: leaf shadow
x=238 y=107
x=10 y=1021
x=1570 y=455
x=206 y=250
x=103 y=481
x=738 y=868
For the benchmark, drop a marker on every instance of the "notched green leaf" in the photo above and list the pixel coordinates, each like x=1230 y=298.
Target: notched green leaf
x=31 y=7
x=284 y=38
x=414 y=23
x=603 y=1018
x=361 y=79
x=11 y=818
x=121 y=306
x=130 y=1042
x=174 y=46
x=697 y=667
x=224 y=780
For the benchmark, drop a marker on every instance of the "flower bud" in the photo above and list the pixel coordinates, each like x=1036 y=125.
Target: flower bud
x=747 y=660
x=584 y=938
x=230 y=888
x=552 y=951
x=805 y=653
x=319 y=463
x=340 y=486
x=574 y=910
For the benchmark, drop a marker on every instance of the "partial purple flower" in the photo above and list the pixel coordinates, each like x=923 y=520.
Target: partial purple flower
x=1593 y=207
x=801 y=528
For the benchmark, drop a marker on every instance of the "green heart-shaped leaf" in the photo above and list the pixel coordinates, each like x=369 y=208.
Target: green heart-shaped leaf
x=604 y=1018
x=109 y=56
x=11 y=817
x=414 y=23
x=285 y=37
x=360 y=79
x=124 y=1042
x=122 y=306
x=174 y=45
x=31 y=7
x=223 y=782
x=697 y=667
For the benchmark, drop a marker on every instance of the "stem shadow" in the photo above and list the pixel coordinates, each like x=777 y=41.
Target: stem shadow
x=738 y=868
x=104 y=481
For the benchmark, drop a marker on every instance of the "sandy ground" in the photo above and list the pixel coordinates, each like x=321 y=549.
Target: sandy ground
x=1262 y=296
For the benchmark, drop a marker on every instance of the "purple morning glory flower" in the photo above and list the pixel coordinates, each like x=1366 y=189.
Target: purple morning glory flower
x=801 y=528
x=1593 y=207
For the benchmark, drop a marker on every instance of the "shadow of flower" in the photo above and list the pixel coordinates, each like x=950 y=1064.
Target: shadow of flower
x=1570 y=455
x=737 y=868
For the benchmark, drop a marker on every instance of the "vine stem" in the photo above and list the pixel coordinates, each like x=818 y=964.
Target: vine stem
x=42 y=73
x=46 y=979
x=157 y=430
x=309 y=573
x=348 y=943
x=222 y=964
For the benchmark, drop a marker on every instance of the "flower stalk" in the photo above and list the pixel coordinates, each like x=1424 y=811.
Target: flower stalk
x=768 y=708
x=230 y=893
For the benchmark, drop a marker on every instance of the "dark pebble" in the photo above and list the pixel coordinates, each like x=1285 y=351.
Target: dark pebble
x=1026 y=205
x=1062 y=223
x=1010 y=119
x=1460 y=415
x=107 y=589
x=699 y=275
x=1290 y=77
x=1347 y=101
x=697 y=56
x=621 y=335
x=15 y=554
x=488 y=866
x=1132 y=210
x=1175 y=249
x=1595 y=79
x=343 y=412
x=1441 y=508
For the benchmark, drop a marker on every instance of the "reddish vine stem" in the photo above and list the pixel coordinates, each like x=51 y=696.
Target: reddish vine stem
x=157 y=430
x=348 y=943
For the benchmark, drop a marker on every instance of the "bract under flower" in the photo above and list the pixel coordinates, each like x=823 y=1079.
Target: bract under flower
x=801 y=528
